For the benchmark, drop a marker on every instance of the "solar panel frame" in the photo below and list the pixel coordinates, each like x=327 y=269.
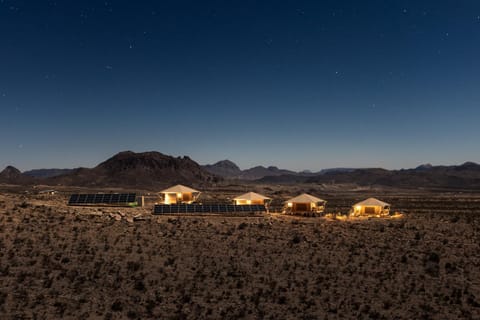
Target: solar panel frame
x=114 y=199
x=207 y=208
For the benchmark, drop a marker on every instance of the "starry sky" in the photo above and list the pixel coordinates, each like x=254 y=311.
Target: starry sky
x=296 y=84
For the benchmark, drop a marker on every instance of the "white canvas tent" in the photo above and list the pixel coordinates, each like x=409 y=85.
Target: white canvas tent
x=305 y=203
x=179 y=194
x=251 y=198
x=370 y=206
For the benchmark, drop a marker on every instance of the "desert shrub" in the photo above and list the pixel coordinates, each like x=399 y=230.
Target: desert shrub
x=242 y=226
x=450 y=267
x=134 y=266
x=431 y=264
x=472 y=302
x=139 y=286
x=60 y=307
x=169 y=262
x=297 y=239
x=454 y=219
x=3 y=298
x=282 y=299
x=117 y=306
x=23 y=205
x=418 y=236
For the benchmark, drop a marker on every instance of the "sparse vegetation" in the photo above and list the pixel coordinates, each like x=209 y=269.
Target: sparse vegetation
x=84 y=263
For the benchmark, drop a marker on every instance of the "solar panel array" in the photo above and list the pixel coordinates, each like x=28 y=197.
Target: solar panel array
x=123 y=199
x=206 y=208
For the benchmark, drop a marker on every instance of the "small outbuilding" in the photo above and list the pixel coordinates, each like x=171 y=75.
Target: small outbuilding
x=371 y=206
x=179 y=194
x=251 y=198
x=305 y=203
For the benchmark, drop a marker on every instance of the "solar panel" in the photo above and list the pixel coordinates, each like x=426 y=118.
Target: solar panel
x=206 y=208
x=113 y=199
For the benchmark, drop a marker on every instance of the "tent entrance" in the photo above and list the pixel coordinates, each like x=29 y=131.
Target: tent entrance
x=301 y=207
x=369 y=210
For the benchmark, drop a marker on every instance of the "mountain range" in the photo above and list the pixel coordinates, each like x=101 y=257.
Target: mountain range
x=125 y=169
x=465 y=176
x=46 y=173
x=230 y=170
x=156 y=170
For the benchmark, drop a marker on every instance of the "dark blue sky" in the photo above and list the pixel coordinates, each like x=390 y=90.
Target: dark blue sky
x=297 y=84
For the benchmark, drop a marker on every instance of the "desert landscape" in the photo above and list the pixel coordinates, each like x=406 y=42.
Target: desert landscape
x=125 y=263
x=239 y=160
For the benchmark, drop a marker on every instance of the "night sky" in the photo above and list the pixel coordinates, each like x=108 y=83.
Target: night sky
x=296 y=84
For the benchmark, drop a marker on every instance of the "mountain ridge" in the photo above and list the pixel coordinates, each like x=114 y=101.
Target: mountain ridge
x=153 y=170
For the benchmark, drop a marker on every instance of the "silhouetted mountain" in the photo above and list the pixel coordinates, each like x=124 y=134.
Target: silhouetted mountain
x=323 y=171
x=148 y=169
x=154 y=169
x=465 y=176
x=423 y=167
x=46 y=173
x=12 y=175
x=230 y=170
x=224 y=168
x=260 y=172
x=285 y=179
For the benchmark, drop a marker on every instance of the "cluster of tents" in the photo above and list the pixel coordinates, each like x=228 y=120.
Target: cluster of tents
x=303 y=203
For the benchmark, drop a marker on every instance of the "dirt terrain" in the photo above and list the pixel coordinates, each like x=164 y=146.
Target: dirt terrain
x=101 y=263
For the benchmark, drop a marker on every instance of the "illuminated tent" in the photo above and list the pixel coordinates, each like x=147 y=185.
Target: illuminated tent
x=251 y=198
x=305 y=203
x=179 y=194
x=371 y=206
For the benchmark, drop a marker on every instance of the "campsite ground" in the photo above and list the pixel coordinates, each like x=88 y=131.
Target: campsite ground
x=65 y=262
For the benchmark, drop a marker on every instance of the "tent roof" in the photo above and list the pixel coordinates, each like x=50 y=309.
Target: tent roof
x=305 y=198
x=251 y=196
x=371 y=202
x=179 y=189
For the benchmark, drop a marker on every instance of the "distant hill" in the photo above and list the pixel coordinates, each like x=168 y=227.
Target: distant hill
x=336 y=170
x=12 y=175
x=260 y=171
x=224 y=168
x=143 y=170
x=465 y=176
x=230 y=170
x=46 y=173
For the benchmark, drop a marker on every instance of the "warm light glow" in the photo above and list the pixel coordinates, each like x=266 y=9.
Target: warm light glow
x=166 y=199
x=249 y=202
x=179 y=195
x=358 y=208
x=289 y=204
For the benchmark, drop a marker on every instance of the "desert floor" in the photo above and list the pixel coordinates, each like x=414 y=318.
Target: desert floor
x=80 y=263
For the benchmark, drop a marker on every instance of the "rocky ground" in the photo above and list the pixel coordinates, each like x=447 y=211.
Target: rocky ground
x=80 y=263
